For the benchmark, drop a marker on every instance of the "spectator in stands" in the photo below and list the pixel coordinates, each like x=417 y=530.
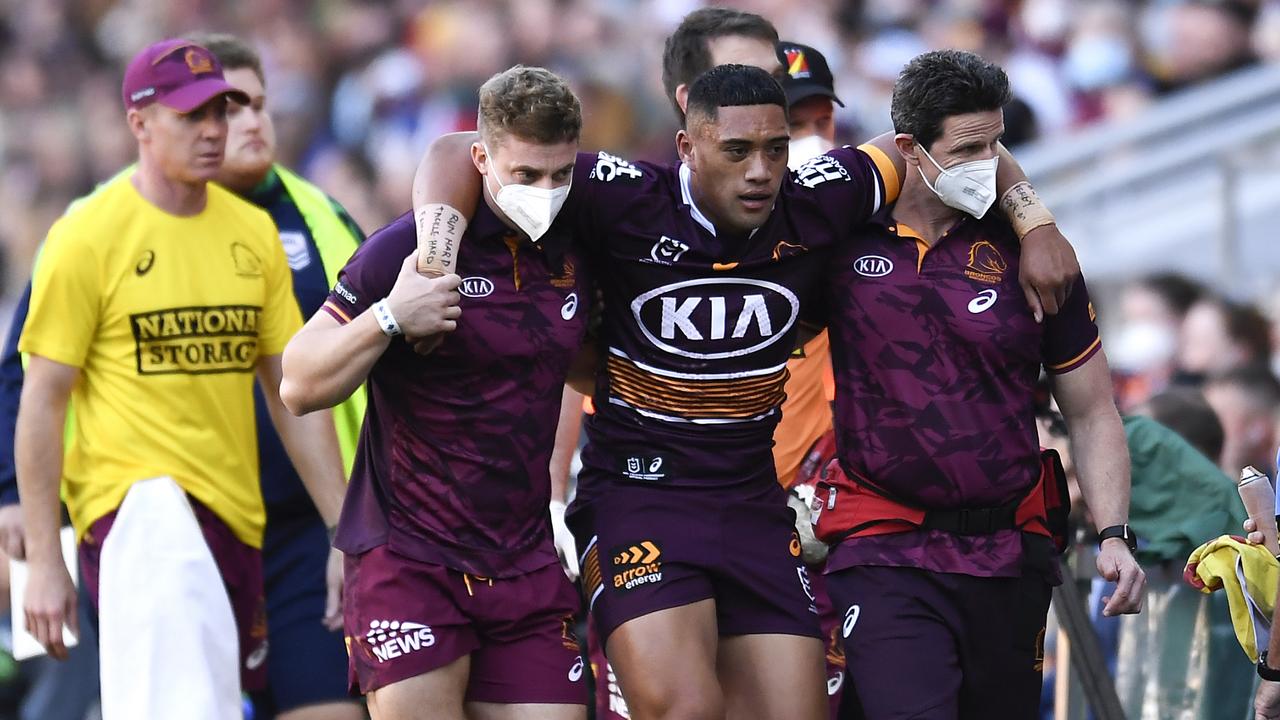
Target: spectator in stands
x=1219 y=335
x=1247 y=400
x=1185 y=411
x=1144 y=350
x=1206 y=39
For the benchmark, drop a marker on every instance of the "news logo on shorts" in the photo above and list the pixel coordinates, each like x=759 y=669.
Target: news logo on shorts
x=390 y=639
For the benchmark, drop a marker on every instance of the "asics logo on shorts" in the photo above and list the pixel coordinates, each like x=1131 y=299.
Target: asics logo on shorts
x=575 y=672
x=391 y=639
x=851 y=619
x=834 y=683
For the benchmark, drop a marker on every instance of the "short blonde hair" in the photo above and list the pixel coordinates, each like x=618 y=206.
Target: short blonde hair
x=531 y=103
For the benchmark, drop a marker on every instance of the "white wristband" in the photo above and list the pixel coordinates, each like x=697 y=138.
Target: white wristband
x=386 y=321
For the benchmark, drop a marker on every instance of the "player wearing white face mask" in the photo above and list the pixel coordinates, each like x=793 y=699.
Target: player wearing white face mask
x=532 y=208
x=456 y=604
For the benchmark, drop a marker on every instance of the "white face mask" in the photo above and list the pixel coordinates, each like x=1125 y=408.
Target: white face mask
x=968 y=187
x=532 y=209
x=805 y=149
x=1141 y=346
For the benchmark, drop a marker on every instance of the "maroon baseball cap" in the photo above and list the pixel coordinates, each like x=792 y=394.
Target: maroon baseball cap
x=177 y=74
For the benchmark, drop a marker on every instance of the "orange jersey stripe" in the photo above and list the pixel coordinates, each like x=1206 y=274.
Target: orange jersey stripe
x=739 y=398
x=888 y=173
x=622 y=368
x=1069 y=365
x=329 y=304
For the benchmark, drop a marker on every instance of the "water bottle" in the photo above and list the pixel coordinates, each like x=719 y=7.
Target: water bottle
x=1260 y=502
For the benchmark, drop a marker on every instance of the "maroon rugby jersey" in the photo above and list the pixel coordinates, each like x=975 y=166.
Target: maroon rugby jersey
x=452 y=464
x=697 y=326
x=936 y=355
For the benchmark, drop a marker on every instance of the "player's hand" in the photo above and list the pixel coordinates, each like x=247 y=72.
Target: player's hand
x=1049 y=270
x=1255 y=536
x=333 y=578
x=566 y=548
x=1266 y=703
x=1116 y=563
x=13 y=534
x=50 y=603
x=424 y=306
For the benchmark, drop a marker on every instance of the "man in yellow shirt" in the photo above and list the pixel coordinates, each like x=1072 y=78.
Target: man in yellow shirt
x=154 y=304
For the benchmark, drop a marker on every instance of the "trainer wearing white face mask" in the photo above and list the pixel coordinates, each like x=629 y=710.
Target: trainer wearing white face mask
x=946 y=520
x=969 y=186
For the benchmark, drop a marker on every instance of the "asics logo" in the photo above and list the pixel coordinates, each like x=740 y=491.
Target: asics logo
x=985 y=299
x=851 y=619
x=575 y=672
x=144 y=264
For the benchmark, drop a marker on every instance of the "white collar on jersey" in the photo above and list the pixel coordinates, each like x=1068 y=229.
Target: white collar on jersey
x=686 y=196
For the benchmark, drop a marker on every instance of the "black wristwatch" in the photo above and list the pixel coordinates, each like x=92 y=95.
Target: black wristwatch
x=1119 y=531
x=1265 y=671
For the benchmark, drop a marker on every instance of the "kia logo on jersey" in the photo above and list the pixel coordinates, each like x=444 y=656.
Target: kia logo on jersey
x=476 y=287
x=715 y=318
x=873 y=266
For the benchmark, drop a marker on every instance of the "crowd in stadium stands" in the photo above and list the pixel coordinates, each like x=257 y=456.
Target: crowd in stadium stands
x=359 y=88
x=1178 y=348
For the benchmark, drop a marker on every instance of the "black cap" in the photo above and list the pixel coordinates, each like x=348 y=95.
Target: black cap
x=807 y=73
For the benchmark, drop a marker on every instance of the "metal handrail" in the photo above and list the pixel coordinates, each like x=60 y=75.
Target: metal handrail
x=1254 y=88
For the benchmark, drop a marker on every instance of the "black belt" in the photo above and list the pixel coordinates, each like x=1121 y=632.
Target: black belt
x=973 y=521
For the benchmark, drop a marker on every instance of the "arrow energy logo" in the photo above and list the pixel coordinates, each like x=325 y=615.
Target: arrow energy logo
x=636 y=565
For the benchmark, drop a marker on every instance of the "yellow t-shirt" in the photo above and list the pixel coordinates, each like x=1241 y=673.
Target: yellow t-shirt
x=166 y=317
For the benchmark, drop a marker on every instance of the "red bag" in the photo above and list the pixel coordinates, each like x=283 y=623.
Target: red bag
x=845 y=506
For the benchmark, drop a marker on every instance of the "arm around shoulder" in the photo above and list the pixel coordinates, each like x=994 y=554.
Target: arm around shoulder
x=446 y=174
x=327 y=360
